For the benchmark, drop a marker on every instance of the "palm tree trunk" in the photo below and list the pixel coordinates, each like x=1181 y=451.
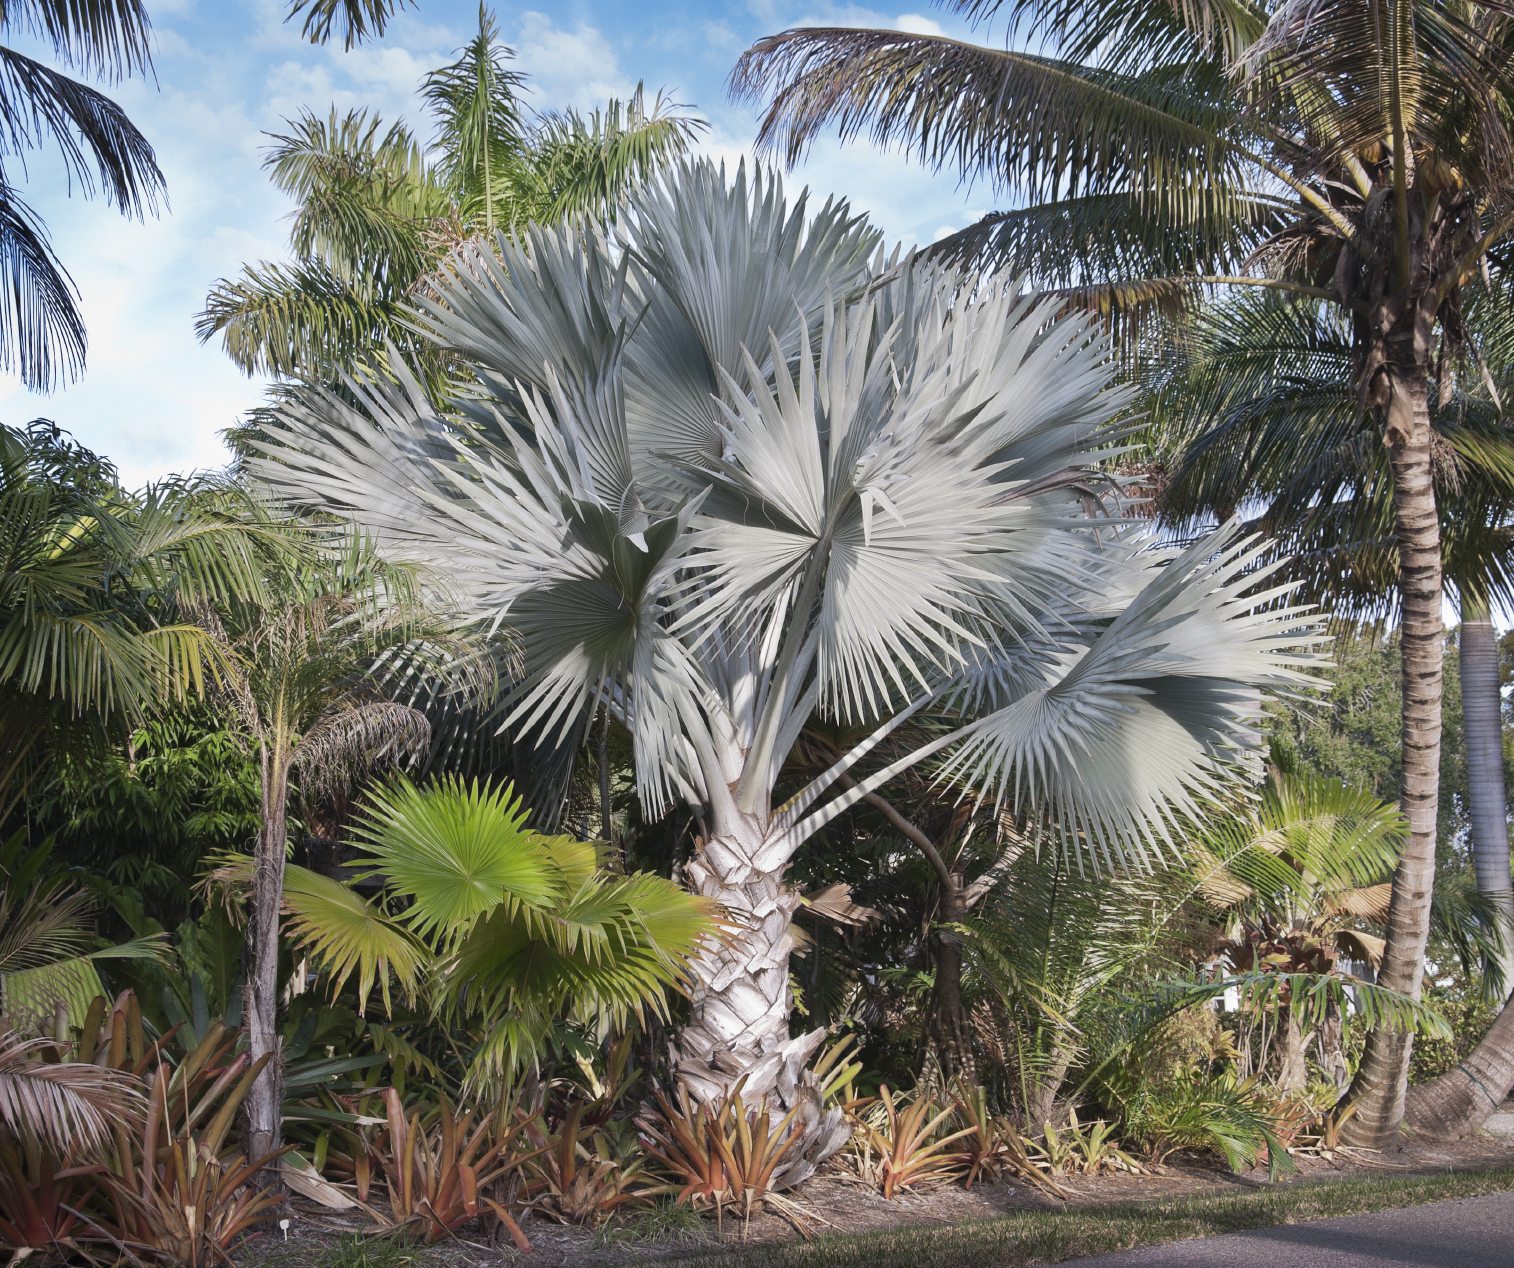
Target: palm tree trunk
x=739 y=998
x=1382 y=1077
x=1458 y=1102
x=1482 y=712
x=948 y=1022
x=261 y=1008
x=1292 y=1068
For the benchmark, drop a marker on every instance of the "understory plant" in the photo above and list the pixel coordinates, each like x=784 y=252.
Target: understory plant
x=159 y=1179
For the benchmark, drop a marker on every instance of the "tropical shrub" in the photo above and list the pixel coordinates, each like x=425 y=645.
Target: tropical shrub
x=501 y=927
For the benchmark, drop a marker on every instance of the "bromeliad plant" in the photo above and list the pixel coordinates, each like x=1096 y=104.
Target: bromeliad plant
x=904 y=1143
x=726 y=1152
x=723 y=473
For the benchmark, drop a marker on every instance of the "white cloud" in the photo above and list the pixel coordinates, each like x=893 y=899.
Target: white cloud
x=568 y=67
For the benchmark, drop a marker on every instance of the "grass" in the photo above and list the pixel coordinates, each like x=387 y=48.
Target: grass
x=666 y=1223
x=1051 y=1236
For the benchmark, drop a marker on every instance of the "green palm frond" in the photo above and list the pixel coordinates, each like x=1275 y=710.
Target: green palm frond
x=1045 y=125
x=301 y=320
x=457 y=851
x=585 y=165
x=501 y=924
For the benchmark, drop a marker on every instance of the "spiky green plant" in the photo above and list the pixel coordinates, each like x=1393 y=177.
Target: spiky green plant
x=500 y=927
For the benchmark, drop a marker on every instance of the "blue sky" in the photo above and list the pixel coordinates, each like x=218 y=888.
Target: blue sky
x=228 y=71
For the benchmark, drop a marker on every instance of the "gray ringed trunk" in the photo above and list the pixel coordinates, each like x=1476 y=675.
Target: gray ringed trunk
x=1482 y=707
x=262 y=1109
x=1458 y=1102
x=1381 y=1079
x=739 y=1002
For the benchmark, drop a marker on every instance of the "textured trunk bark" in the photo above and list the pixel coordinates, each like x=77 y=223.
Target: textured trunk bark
x=1292 y=1069
x=739 y=999
x=1381 y=1079
x=1482 y=711
x=948 y=1021
x=261 y=1008
x=1332 y=1048
x=1041 y=1098
x=1458 y=1102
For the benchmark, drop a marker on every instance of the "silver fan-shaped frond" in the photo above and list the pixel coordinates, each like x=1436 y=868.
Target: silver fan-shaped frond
x=728 y=469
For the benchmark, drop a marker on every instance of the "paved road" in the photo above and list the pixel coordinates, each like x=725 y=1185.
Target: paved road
x=1462 y=1233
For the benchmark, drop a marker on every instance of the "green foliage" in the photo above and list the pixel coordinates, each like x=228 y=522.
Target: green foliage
x=378 y=211
x=50 y=956
x=1353 y=732
x=1467 y=1015
x=93 y=587
x=498 y=925
x=146 y=814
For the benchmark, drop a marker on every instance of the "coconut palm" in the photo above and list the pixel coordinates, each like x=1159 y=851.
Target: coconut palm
x=722 y=475
x=499 y=926
x=378 y=210
x=42 y=336
x=1357 y=153
x=1258 y=408
x=322 y=673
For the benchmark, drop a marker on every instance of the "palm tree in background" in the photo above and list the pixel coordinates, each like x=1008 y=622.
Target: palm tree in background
x=42 y=336
x=378 y=212
x=1357 y=153
x=93 y=587
x=1257 y=407
x=1254 y=409
x=721 y=477
x=324 y=673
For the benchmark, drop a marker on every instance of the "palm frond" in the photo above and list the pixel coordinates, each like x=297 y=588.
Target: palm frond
x=111 y=38
x=70 y=1107
x=42 y=336
x=354 y=20
x=100 y=147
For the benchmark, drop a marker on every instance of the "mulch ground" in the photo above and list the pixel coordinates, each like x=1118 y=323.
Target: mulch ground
x=837 y=1202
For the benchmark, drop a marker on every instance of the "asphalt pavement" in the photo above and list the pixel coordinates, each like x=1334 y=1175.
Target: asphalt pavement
x=1461 y=1233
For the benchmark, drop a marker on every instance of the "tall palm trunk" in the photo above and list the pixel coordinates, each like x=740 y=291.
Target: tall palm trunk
x=1482 y=713
x=1460 y=1101
x=261 y=1007
x=739 y=997
x=1382 y=1077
